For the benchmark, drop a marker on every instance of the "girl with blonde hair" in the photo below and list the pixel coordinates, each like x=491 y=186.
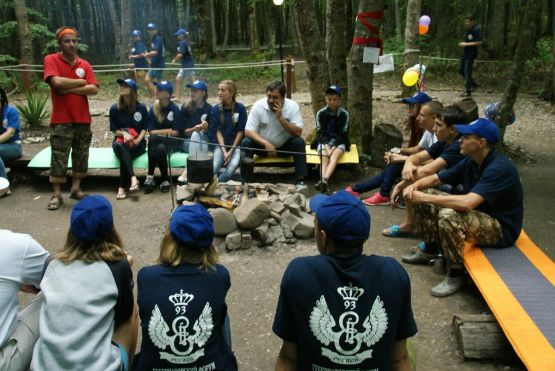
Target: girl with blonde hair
x=182 y=299
x=227 y=125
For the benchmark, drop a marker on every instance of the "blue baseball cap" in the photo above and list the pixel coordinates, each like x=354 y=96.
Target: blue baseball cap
x=151 y=26
x=199 y=85
x=483 y=128
x=342 y=216
x=492 y=110
x=181 y=31
x=192 y=226
x=419 y=97
x=333 y=89
x=129 y=82
x=136 y=33
x=165 y=85
x=91 y=218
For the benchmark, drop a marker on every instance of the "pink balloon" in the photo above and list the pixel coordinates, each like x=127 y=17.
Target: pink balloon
x=424 y=21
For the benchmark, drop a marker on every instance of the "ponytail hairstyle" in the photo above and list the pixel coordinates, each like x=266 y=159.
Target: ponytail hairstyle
x=232 y=87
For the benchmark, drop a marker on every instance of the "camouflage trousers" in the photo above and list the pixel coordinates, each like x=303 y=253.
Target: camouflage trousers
x=63 y=139
x=450 y=229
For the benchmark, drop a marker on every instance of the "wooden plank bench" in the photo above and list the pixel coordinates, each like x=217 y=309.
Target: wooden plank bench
x=104 y=158
x=518 y=284
x=349 y=157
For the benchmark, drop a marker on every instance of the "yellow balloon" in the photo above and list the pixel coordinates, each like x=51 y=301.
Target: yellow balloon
x=410 y=77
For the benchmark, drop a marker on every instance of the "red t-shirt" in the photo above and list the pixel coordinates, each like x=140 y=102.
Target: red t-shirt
x=69 y=108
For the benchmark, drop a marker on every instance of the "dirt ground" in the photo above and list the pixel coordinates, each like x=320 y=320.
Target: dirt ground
x=256 y=273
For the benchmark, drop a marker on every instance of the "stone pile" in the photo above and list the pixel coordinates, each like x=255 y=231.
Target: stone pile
x=279 y=220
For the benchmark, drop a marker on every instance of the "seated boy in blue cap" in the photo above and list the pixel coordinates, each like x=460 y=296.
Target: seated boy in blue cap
x=332 y=126
x=343 y=307
x=488 y=213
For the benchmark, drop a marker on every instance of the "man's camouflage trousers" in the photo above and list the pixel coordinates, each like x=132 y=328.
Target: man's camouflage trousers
x=66 y=137
x=449 y=229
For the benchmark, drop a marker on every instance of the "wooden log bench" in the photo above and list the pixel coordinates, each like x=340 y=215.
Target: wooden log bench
x=518 y=284
x=349 y=157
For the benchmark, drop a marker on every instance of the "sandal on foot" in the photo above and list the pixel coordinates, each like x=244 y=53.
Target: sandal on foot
x=134 y=187
x=121 y=195
x=55 y=202
x=77 y=194
x=395 y=231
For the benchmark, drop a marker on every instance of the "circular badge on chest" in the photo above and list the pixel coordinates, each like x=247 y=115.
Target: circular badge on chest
x=170 y=116
x=80 y=72
x=5 y=123
x=470 y=37
x=137 y=116
x=133 y=50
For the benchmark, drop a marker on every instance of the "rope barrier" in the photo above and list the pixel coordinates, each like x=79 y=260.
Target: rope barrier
x=127 y=67
x=256 y=149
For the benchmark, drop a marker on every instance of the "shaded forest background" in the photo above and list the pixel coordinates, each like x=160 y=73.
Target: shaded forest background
x=518 y=38
x=217 y=26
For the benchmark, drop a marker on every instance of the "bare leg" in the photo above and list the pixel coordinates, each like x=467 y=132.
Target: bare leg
x=150 y=85
x=178 y=87
x=333 y=162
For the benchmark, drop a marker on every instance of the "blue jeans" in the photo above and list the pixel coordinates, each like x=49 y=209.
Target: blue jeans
x=8 y=151
x=385 y=180
x=465 y=69
x=232 y=165
x=197 y=143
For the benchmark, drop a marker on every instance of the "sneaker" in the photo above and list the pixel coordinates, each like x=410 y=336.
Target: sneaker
x=149 y=184
x=165 y=186
x=465 y=94
x=377 y=200
x=350 y=190
x=301 y=186
x=448 y=286
x=322 y=186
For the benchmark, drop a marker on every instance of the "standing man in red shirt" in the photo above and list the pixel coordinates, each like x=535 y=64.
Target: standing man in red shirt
x=71 y=80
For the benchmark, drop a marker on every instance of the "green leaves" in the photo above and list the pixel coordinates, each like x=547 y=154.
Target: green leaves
x=35 y=110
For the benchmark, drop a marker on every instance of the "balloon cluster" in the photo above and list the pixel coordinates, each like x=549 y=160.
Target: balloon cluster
x=411 y=75
x=424 y=24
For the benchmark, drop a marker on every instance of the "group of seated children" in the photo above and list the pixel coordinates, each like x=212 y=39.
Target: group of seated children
x=89 y=319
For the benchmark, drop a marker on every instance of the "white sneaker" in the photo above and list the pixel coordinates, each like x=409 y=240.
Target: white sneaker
x=448 y=286
x=301 y=187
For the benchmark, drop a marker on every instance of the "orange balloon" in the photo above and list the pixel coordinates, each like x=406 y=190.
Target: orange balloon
x=422 y=30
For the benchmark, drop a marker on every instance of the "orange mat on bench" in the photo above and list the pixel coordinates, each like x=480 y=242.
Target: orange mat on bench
x=518 y=283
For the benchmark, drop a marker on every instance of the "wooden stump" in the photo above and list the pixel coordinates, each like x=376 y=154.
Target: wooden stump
x=480 y=337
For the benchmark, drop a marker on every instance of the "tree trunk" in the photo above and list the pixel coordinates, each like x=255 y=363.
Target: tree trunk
x=204 y=27
x=226 y=19
x=523 y=51
x=360 y=77
x=313 y=50
x=411 y=53
x=214 y=38
x=398 y=21
x=495 y=35
x=271 y=22
x=254 y=42
x=25 y=42
x=336 y=48
x=125 y=26
x=116 y=24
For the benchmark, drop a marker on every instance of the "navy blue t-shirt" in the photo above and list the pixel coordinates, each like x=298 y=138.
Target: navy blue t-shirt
x=344 y=313
x=172 y=118
x=231 y=124
x=10 y=119
x=137 y=120
x=497 y=181
x=187 y=57
x=139 y=48
x=182 y=311
x=472 y=35
x=451 y=153
x=191 y=119
x=157 y=44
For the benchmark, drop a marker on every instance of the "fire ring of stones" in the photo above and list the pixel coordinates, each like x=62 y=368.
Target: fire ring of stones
x=271 y=214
